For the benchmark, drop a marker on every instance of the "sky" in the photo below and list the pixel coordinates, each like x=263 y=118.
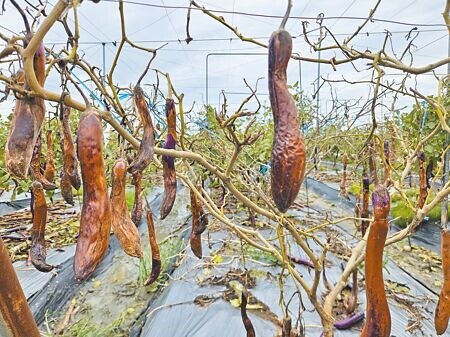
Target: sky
x=151 y=27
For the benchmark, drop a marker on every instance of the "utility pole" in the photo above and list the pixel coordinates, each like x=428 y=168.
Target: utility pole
x=318 y=93
x=104 y=58
x=444 y=205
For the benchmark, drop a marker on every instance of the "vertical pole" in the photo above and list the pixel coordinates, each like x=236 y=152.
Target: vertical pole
x=206 y=80
x=444 y=204
x=382 y=117
x=300 y=75
x=318 y=94
x=104 y=57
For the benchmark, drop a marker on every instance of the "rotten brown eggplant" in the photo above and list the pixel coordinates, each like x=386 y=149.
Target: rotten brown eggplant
x=288 y=160
x=378 y=321
x=122 y=225
x=423 y=186
x=136 y=213
x=156 y=257
x=169 y=174
x=95 y=221
x=245 y=319
x=442 y=313
x=50 y=171
x=286 y=327
x=365 y=204
x=26 y=123
x=70 y=161
x=66 y=188
x=373 y=172
x=387 y=168
x=146 y=148
x=35 y=166
x=16 y=318
x=38 y=251
x=198 y=224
